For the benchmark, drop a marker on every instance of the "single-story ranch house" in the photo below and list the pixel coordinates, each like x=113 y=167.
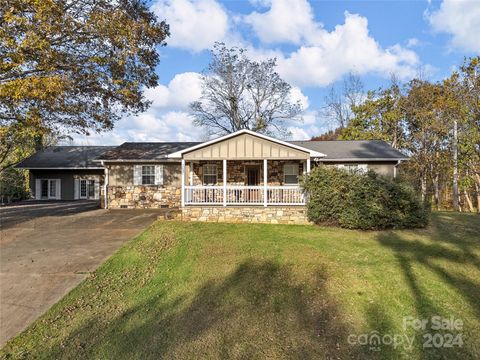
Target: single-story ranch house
x=243 y=176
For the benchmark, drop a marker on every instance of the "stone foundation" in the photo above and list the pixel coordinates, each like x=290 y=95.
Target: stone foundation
x=143 y=197
x=247 y=214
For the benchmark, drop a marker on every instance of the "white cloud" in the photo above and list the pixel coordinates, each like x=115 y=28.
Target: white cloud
x=348 y=48
x=149 y=126
x=194 y=25
x=297 y=95
x=179 y=93
x=461 y=19
x=285 y=21
x=412 y=42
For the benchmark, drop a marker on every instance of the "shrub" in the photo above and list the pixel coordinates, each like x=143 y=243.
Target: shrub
x=362 y=201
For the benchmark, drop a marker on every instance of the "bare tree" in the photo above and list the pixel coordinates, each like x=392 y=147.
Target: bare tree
x=339 y=104
x=239 y=93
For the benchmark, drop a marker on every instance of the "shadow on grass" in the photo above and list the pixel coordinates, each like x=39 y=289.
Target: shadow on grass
x=452 y=247
x=258 y=311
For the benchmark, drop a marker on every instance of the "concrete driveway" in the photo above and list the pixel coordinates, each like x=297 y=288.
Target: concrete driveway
x=46 y=249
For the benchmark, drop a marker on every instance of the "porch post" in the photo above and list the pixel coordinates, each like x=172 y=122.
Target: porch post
x=308 y=166
x=190 y=181
x=265 y=180
x=224 y=182
x=183 y=183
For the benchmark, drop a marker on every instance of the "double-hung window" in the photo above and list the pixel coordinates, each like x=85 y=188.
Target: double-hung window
x=290 y=174
x=209 y=174
x=148 y=175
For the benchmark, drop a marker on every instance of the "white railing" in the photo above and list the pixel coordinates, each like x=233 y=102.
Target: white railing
x=243 y=195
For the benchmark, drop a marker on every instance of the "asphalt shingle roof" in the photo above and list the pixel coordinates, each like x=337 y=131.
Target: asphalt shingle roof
x=66 y=157
x=88 y=156
x=353 y=149
x=145 y=151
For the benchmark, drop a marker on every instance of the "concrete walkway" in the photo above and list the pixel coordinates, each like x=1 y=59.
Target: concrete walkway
x=48 y=249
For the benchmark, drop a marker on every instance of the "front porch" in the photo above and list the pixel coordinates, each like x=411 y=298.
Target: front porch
x=243 y=183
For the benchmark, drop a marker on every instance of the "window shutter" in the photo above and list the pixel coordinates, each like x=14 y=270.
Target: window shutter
x=158 y=174
x=38 y=189
x=97 y=190
x=137 y=174
x=58 y=190
x=76 y=189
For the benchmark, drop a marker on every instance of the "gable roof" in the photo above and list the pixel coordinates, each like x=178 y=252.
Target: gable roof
x=146 y=151
x=354 y=150
x=180 y=153
x=66 y=157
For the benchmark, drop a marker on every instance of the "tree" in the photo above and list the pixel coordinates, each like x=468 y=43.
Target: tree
x=379 y=117
x=75 y=65
x=469 y=141
x=339 y=104
x=239 y=93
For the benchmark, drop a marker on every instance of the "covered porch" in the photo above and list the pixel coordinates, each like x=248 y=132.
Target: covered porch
x=244 y=168
x=243 y=182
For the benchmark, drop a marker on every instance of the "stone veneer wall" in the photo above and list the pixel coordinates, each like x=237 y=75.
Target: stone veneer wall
x=236 y=171
x=246 y=214
x=143 y=197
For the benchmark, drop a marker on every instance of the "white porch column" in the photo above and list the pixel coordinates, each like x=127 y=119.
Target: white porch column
x=190 y=181
x=224 y=182
x=265 y=180
x=183 y=182
x=308 y=166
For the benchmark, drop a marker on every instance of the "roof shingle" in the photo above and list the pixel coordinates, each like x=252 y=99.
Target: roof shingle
x=65 y=157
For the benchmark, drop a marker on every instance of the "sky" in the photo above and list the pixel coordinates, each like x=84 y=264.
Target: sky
x=316 y=44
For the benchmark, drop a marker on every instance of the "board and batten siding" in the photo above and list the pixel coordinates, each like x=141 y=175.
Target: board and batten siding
x=246 y=147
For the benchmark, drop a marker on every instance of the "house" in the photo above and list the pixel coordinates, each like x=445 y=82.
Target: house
x=243 y=176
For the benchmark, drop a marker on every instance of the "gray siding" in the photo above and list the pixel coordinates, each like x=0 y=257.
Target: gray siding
x=66 y=177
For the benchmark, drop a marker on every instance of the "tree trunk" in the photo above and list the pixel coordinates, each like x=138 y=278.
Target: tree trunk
x=455 y=166
x=423 y=186
x=468 y=200
x=477 y=190
x=436 y=193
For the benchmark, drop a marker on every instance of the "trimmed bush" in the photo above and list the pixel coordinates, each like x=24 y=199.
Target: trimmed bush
x=362 y=201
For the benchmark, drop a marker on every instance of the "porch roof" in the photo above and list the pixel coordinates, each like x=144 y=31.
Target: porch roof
x=245 y=145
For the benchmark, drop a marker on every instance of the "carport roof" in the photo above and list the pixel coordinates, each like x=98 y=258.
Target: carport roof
x=66 y=157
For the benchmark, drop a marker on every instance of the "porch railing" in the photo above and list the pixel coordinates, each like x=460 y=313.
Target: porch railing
x=243 y=195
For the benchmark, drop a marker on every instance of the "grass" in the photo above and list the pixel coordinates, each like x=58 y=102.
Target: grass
x=192 y=290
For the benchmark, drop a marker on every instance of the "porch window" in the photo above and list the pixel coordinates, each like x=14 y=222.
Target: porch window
x=210 y=174
x=290 y=174
x=148 y=175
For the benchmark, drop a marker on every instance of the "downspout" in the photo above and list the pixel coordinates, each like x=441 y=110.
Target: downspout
x=105 y=194
x=395 y=168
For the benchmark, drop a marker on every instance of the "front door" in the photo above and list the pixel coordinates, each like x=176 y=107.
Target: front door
x=87 y=189
x=253 y=175
x=48 y=188
x=253 y=179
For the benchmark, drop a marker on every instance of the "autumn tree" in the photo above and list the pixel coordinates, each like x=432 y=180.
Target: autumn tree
x=379 y=117
x=73 y=65
x=239 y=93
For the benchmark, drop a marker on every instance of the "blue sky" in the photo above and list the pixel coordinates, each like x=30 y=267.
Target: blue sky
x=316 y=44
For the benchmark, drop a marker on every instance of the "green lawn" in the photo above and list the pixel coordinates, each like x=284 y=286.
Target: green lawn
x=191 y=290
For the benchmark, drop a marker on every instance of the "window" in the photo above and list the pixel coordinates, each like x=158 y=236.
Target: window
x=53 y=189
x=354 y=168
x=148 y=175
x=290 y=174
x=209 y=174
